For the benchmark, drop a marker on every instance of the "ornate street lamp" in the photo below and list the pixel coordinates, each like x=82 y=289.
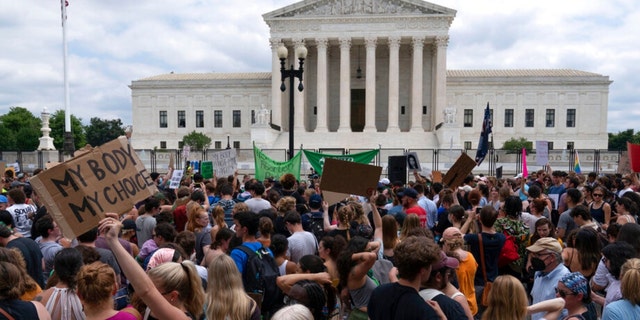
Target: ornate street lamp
x=301 y=54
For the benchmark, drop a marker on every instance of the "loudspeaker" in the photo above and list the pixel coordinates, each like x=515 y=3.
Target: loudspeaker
x=397 y=169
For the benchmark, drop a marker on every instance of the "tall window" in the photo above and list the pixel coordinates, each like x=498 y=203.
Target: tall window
x=199 y=119
x=253 y=116
x=467 y=145
x=236 y=144
x=236 y=119
x=550 y=118
x=182 y=119
x=217 y=119
x=508 y=118
x=569 y=145
x=571 y=118
x=550 y=145
x=218 y=144
x=163 y=144
x=163 y=119
x=528 y=118
x=468 y=118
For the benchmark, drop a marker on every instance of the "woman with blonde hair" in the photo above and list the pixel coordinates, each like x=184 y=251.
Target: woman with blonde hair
x=343 y=216
x=217 y=214
x=629 y=306
x=11 y=288
x=507 y=300
x=96 y=286
x=411 y=222
x=170 y=291
x=30 y=286
x=226 y=298
x=389 y=236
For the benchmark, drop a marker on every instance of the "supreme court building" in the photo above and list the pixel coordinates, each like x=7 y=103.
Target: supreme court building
x=375 y=75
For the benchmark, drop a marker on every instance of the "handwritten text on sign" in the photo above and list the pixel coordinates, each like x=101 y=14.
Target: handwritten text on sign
x=110 y=178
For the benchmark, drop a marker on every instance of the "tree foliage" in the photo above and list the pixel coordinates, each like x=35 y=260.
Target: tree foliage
x=20 y=130
x=56 y=123
x=197 y=141
x=618 y=141
x=514 y=145
x=101 y=131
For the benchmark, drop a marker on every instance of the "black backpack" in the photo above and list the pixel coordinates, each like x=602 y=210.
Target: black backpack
x=259 y=279
x=316 y=226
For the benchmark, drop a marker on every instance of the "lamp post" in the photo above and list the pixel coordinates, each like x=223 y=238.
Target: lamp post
x=301 y=54
x=228 y=144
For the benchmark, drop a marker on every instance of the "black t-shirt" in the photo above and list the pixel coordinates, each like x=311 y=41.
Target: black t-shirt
x=451 y=308
x=395 y=301
x=32 y=256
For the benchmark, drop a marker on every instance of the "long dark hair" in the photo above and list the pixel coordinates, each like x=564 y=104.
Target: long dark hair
x=345 y=263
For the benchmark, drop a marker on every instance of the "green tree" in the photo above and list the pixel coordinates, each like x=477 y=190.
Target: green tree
x=20 y=129
x=100 y=131
x=197 y=141
x=514 y=145
x=618 y=141
x=56 y=123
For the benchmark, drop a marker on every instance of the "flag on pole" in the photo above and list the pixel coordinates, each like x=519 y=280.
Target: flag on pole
x=483 y=144
x=63 y=10
x=633 y=151
x=525 y=171
x=576 y=164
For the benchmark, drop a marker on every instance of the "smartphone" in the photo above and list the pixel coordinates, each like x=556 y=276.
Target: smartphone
x=478 y=209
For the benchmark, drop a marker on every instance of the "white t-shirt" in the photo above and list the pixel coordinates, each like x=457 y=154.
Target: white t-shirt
x=20 y=213
x=301 y=243
x=257 y=204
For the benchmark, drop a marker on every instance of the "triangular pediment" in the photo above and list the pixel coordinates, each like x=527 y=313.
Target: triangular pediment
x=328 y=8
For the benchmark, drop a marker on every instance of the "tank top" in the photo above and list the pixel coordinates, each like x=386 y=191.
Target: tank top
x=597 y=214
x=64 y=304
x=360 y=297
x=283 y=268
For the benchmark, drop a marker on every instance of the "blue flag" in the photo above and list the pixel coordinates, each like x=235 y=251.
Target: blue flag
x=483 y=144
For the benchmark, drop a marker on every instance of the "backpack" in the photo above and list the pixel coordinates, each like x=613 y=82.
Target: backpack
x=509 y=252
x=259 y=279
x=316 y=226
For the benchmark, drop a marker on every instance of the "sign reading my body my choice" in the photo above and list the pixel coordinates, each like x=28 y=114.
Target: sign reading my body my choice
x=77 y=193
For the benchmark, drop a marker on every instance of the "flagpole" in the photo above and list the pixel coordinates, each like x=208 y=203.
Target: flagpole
x=68 y=145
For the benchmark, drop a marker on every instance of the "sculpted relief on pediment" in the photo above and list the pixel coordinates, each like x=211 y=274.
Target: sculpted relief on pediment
x=359 y=7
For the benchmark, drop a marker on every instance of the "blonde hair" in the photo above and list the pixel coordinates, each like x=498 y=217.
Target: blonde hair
x=96 y=283
x=183 y=278
x=226 y=298
x=286 y=204
x=14 y=256
x=294 y=312
x=218 y=216
x=240 y=207
x=358 y=213
x=630 y=280
x=192 y=217
x=507 y=300
x=411 y=222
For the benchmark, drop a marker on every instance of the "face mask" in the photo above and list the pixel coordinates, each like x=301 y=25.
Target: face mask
x=537 y=264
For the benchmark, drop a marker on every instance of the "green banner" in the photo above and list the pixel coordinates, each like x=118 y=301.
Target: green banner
x=267 y=167
x=206 y=169
x=317 y=159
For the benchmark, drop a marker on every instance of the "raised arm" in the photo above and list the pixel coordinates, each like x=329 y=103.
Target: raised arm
x=287 y=281
x=325 y=216
x=377 y=219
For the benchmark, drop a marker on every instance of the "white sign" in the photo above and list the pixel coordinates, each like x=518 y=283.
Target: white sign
x=225 y=162
x=542 y=152
x=412 y=161
x=175 y=179
x=185 y=151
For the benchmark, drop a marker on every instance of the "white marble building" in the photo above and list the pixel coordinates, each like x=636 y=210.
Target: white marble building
x=375 y=75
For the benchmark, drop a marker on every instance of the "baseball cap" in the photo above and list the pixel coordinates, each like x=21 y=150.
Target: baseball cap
x=16 y=184
x=3 y=199
x=546 y=243
x=128 y=224
x=315 y=201
x=445 y=261
x=385 y=181
x=408 y=192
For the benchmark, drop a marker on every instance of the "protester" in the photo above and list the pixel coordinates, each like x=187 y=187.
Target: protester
x=629 y=306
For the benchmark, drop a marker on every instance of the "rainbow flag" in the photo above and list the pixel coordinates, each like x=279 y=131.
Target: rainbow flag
x=576 y=164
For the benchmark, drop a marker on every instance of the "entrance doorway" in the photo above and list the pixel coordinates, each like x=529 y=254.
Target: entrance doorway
x=357 y=109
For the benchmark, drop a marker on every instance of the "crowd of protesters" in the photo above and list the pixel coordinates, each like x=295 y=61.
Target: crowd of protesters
x=553 y=245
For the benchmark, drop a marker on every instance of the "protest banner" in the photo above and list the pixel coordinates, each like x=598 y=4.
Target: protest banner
x=316 y=160
x=206 y=169
x=269 y=168
x=224 y=162
x=542 y=152
x=342 y=178
x=460 y=170
x=78 y=192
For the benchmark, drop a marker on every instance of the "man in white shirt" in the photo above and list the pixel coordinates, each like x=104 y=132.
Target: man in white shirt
x=22 y=212
x=256 y=203
x=301 y=243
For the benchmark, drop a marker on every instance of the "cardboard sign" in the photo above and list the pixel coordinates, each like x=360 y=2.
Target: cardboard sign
x=436 y=176
x=78 y=192
x=176 y=177
x=206 y=169
x=344 y=177
x=460 y=170
x=224 y=162
x=412 y=161
x=3 y=167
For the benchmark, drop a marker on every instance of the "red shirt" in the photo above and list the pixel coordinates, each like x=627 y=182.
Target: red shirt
x=421 y=214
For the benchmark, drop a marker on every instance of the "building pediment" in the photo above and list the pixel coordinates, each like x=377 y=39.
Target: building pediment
x=337 y=8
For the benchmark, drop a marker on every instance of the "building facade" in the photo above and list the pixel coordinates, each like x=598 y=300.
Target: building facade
x=375 y=75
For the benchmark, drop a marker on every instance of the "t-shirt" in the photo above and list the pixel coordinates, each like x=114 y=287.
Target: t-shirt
x=566 y=222
x=451 y=308
x=395 y=301
x=301 y=244
x=258 y=204
x=32 y=256
x=49 y=250
x=20 y=213
x=621 y=310
x=492 y=244
x=421 y=214
x=144 y=228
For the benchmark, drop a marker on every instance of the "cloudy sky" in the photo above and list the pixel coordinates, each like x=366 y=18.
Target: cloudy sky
x=112 y=42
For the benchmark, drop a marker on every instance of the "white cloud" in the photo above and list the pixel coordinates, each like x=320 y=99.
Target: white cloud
x=112 y=43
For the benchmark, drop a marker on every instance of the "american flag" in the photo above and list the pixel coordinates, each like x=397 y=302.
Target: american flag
x=483 y=144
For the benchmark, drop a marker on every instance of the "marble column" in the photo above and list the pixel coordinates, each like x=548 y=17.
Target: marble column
x=440 y=80
x=370 y=97
x=416 y=84
x=321 y=104
x=345 y=85
x=298 y=96
x=276 y=94
x=394 y=83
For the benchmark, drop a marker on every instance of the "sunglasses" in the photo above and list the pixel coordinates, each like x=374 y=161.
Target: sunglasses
x=564 y=294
